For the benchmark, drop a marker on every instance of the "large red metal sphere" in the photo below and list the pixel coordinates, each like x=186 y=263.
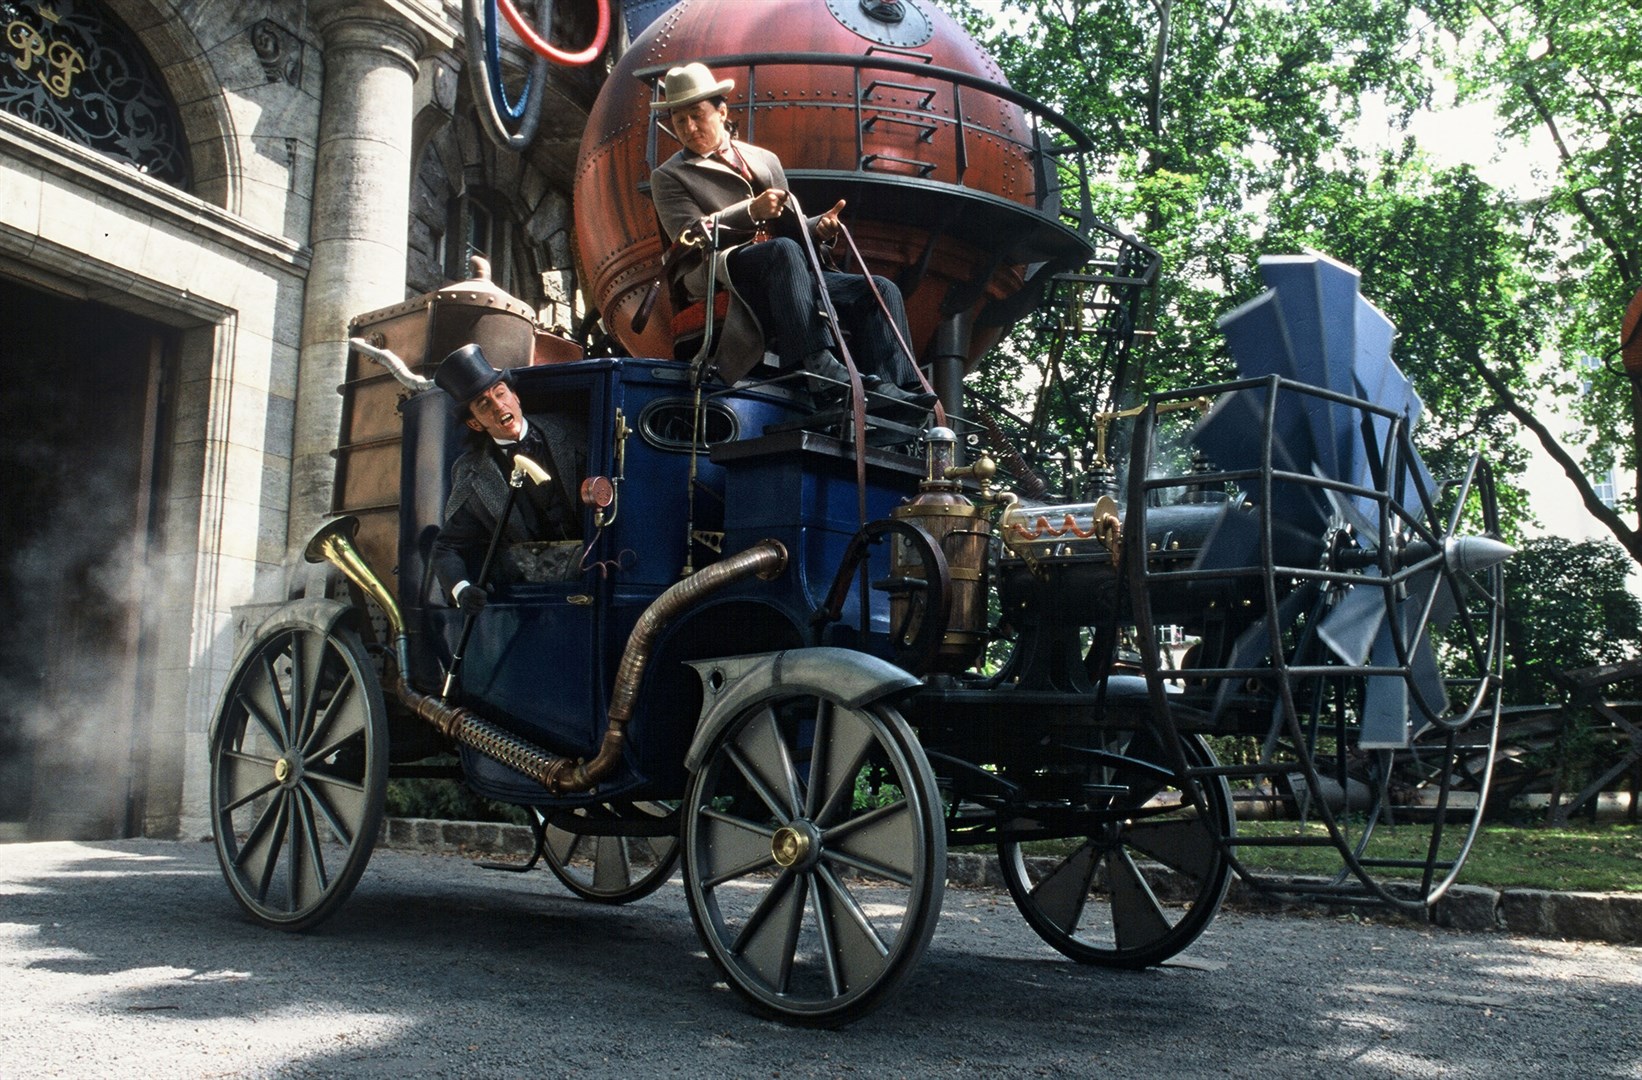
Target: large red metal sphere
x=938 y=173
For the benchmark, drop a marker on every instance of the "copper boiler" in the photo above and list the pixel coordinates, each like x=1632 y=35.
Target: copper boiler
x=890 y=106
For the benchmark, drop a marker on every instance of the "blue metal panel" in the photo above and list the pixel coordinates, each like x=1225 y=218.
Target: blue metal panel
x=542 y=657
x=800 y=488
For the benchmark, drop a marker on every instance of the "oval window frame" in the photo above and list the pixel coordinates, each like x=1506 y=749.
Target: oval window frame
x=660 y=440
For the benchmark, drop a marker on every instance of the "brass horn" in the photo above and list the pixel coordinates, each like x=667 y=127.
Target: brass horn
x=333 y=543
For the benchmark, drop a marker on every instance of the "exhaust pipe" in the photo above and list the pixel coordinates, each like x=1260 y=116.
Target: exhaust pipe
x=333 y=543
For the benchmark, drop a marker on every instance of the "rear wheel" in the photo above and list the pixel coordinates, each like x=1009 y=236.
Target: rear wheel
x=815 y=856
x=1149 y=874
x=595 y=854
x=299 y=770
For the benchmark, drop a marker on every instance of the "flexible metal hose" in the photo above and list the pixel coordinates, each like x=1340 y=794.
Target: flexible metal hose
x=559 y=775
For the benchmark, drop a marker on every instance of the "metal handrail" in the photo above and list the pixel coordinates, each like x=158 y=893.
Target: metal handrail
x=1033 y=147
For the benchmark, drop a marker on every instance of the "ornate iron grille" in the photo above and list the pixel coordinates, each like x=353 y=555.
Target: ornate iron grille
x=77 y=72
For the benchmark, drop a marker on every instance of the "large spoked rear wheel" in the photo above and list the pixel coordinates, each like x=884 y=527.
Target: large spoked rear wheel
x=815 y=856
x=1149 y=875
x=1404 y=811
x=594 y=853
x=299 y=770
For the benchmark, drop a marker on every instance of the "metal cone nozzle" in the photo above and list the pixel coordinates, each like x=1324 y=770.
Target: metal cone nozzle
x=1471 y=554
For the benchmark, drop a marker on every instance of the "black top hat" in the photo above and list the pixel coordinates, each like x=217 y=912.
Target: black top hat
x=465 y=374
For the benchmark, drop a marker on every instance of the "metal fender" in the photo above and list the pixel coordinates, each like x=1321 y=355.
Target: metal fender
x=318 y=612
x=731 y=684
x=321 y=612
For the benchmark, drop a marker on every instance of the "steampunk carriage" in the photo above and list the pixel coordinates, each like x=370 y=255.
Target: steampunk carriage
x=801 y=656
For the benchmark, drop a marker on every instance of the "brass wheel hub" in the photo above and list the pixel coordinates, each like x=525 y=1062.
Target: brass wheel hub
x=794 y=845
x=286 y=771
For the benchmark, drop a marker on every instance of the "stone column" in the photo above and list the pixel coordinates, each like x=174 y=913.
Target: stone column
x=361 y=210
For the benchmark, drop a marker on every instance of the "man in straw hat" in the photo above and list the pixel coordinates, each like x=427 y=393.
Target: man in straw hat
x=483 y=399
x=773 y=301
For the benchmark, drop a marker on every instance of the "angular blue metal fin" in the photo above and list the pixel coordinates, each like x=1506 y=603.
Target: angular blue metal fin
x=1257 y=338
x=1317 y=297
x=1385 y=700
x=1353 y=625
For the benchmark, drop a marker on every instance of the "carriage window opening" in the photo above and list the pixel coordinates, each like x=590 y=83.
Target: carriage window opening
x=668 y=423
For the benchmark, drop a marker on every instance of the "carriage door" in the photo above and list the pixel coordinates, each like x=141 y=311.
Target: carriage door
x=79 y=421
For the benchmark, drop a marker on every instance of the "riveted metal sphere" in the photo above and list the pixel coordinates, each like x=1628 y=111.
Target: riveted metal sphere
x=938 y=172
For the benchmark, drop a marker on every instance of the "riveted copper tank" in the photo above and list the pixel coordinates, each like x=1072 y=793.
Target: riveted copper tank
x=909 y=120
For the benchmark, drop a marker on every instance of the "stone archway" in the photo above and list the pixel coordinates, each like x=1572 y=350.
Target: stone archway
x=196 y=86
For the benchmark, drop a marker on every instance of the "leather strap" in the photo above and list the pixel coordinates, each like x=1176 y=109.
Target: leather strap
x=858 y=397
x=866 y=272
x=675 y=251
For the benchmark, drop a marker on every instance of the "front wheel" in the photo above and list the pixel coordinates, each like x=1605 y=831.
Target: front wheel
x=815 y=856
x=299 y=771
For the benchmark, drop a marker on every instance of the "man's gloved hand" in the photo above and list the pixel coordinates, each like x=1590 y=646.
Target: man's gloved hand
x=472 y=599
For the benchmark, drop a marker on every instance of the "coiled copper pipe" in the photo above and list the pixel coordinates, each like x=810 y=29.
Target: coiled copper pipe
x=766 y=560
x=559 y=775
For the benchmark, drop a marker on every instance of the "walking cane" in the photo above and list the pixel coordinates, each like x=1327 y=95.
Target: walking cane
x=522 y=467
x=698 y=370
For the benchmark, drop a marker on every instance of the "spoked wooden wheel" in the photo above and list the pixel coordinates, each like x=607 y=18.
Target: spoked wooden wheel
x=299 y=770
x=815 y=856
x=593 y=853
x=1147 y=879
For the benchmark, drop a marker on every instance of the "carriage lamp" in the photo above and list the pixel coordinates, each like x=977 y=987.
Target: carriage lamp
x=942 y=471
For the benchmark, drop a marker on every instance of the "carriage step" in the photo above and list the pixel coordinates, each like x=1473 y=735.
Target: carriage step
x=1243 y=772
x=1406 y=864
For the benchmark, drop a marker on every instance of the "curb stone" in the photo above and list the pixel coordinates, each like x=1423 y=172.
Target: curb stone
x=1610 y=917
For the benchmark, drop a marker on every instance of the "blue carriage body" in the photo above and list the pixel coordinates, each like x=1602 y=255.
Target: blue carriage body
x=542 y=659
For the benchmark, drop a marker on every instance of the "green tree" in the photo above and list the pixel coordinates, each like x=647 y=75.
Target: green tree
x=1203 y=113
x=1222 y=128
x=1568 y=609
x=1572 y=71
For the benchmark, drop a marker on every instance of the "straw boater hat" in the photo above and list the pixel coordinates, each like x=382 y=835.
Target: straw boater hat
x=689 y=84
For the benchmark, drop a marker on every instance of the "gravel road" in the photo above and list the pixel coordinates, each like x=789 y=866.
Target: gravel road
x=130 y=958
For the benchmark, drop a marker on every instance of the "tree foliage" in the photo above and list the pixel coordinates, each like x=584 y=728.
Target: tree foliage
x=1569 y=609
x=1223 y=132
x=1571 y=71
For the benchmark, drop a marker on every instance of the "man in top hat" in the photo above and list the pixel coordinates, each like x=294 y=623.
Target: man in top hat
x=773 y=300
x=484 y=400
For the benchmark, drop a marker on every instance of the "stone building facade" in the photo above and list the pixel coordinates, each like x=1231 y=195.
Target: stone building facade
x=175 y=333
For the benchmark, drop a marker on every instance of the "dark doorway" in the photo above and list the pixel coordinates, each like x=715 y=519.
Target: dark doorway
x=80 y=418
